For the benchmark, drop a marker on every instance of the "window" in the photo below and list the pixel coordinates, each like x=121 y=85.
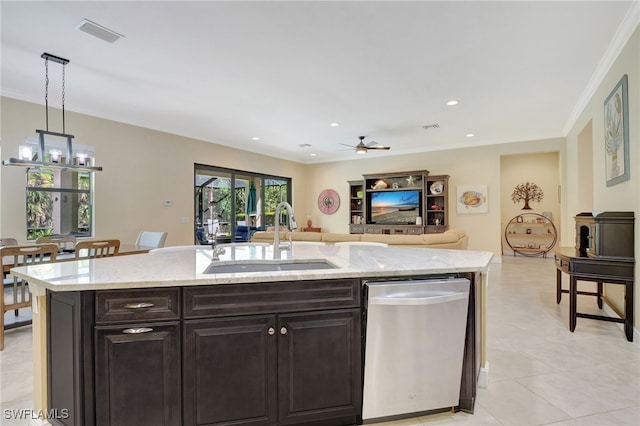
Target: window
x=226 y=199
x=59 y=202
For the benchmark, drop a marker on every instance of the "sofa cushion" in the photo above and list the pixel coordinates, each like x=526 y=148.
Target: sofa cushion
x=450 y=239
x=328 y=237
x=306 y=236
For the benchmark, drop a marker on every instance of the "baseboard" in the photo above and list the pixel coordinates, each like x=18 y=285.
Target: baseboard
x=612 y=313
x=483 y=376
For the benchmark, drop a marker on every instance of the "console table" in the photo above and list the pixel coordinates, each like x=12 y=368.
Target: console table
x=585 y=268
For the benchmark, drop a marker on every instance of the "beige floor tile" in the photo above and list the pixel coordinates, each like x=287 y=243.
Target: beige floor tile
x=513 y=404
x=540 y=372
x=587 y=391
x=624 y=417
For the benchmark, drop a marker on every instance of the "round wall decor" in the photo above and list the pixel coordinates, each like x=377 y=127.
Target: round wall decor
x=328 y=201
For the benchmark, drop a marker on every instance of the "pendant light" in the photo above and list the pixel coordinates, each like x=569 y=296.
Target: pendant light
x=72 y=161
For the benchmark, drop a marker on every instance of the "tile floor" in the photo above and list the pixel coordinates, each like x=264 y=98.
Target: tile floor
x=540 y=373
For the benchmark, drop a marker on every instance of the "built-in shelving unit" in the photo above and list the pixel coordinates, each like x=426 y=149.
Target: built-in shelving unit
x=437 y=201
x=399 y=203
x=356 y=206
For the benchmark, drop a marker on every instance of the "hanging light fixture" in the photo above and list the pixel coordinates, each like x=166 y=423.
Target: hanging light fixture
x=73 y=161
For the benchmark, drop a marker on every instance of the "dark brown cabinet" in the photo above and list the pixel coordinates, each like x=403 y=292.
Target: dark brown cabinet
x=253 y=354
x=319 y=366
x=138 y=375
x=291 y=353
x=230 y=371
x=302 y=367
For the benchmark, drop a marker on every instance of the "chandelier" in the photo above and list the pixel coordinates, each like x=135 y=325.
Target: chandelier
x=47 y=154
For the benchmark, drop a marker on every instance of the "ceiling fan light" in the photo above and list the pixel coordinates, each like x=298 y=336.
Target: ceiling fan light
x=361 y=150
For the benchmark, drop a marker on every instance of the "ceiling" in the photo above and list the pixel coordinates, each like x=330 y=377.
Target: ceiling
x=226 y=72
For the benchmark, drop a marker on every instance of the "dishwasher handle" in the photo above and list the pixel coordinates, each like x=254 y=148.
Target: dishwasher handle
x=418 y=300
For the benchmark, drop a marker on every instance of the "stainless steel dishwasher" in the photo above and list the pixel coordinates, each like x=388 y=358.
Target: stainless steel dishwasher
x=414 y=346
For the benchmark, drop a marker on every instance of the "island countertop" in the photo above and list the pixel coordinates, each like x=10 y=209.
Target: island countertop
x=185 y=266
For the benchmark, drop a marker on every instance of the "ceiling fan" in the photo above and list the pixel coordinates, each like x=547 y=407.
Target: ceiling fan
x=362 y=148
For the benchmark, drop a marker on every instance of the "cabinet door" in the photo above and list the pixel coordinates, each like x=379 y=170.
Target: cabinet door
x=319 y=365
x=230 y=371
x=138 y=374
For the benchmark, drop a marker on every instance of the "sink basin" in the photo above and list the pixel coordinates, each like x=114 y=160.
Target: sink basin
x=266 y=266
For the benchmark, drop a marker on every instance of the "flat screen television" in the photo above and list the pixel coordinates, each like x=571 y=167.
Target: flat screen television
x=394 y=207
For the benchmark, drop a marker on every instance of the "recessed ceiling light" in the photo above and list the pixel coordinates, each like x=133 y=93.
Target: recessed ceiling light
x=255 y=138
x=470 y=135
x=313 y=154
x=453 y=102
x=334 y=124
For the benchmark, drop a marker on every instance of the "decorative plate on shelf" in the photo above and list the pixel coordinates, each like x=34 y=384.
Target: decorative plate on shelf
x=328 y=201
x=437 y=187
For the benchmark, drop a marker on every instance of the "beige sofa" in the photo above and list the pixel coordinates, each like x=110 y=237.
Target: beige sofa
x=451 y=239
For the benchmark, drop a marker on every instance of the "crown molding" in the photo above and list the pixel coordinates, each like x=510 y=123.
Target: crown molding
x=620 y=39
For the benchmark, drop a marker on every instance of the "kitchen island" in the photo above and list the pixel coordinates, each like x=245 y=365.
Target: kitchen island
x=151 y=338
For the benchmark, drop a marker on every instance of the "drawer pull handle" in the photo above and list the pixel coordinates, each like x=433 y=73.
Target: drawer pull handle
x=140 y=305
x=271 y=331
x=139 y=330
x=283 y=330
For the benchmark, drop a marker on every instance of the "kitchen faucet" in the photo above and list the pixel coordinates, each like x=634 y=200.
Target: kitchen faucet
x=292 y=224
x=217 y=251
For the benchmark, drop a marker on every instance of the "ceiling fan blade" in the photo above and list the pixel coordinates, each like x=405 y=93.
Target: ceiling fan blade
x=381 y=147
x=350 y=146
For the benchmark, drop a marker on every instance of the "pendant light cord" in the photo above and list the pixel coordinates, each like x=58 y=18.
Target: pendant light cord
x=63 y=89
x=46 y=91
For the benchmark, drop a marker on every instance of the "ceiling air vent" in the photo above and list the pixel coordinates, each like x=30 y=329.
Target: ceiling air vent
x=431 y=126
x=103 y=33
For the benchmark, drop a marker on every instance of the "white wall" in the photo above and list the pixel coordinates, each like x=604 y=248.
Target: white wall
x=464 y=166
x=142 y=168
x=624 y=196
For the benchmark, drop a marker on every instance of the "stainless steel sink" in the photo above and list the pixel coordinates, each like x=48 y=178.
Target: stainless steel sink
x=234 y=267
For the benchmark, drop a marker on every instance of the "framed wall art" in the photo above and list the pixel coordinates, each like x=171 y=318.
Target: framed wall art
x=616 y=134
x=472 y=199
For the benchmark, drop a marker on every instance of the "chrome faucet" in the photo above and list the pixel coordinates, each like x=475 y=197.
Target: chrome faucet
x=292 y=224
x=217 y=251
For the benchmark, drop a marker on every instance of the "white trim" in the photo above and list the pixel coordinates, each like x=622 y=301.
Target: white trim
x=483 y=376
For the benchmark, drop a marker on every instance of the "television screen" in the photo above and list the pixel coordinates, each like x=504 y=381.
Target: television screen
x=395 y=207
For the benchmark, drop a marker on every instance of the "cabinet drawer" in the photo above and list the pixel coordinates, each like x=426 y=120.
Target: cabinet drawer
x=415 y=231
x=135 y=305
x=252 y=298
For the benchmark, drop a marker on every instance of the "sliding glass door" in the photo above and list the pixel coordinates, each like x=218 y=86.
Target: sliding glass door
x=231 y=204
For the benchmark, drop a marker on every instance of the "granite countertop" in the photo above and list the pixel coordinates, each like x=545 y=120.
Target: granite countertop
x=184 y=267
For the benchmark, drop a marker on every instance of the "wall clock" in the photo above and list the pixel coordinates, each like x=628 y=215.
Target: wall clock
x=328 y=201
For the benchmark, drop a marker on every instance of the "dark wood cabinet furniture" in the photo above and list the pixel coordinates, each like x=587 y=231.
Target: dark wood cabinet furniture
x=437 y=204
x=255 y=354
x=606 y=235
x=305 y=353
x=410 y=203
x=604 y=253
x=530 y=234
x=137 y=376
x=107 y=349
x=356 y=207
